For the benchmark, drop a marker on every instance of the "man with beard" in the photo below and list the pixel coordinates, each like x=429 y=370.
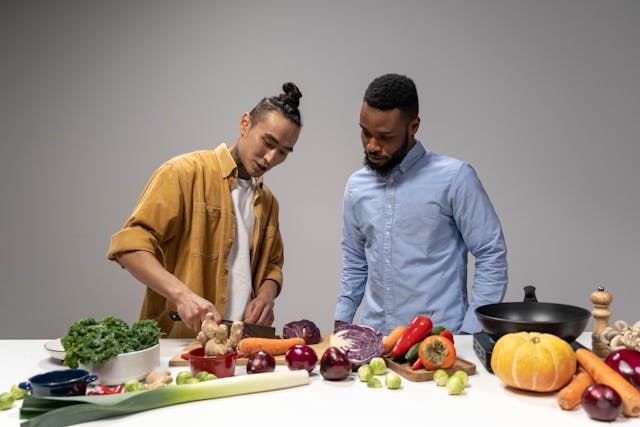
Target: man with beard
x=410 y=217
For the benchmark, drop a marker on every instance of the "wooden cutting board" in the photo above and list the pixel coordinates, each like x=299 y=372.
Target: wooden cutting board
x=422 y=374
x=177 y=360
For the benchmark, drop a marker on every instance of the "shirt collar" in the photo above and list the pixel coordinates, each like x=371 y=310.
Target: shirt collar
x=228 y=167
x=415 y=153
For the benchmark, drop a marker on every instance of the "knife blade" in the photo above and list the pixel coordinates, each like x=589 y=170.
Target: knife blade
x=250 y=329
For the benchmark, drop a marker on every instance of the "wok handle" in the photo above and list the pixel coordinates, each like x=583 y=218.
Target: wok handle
x=530 y=294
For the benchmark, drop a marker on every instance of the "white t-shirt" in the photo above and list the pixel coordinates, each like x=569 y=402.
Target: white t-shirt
x=239 y=257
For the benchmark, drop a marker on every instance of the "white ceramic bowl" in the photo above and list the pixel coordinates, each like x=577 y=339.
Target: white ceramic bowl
x=126 y=366
x=55 y=349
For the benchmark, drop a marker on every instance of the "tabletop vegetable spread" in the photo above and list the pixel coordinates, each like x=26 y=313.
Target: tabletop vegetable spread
x=420 y=351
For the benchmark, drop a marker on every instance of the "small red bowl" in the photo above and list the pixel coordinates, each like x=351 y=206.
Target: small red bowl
x=220 y=366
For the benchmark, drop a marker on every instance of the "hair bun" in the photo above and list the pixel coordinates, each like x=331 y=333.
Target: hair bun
x=291 y=94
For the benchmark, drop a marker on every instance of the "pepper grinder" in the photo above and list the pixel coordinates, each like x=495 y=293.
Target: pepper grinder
x=601 y=300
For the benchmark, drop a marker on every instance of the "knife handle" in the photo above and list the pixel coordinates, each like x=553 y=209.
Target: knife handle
x=175 y=316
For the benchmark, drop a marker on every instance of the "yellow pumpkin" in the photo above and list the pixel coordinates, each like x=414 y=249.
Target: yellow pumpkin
x=533 y=361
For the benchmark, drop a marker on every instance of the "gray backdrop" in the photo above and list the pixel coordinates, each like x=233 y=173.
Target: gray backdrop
x=541 y=97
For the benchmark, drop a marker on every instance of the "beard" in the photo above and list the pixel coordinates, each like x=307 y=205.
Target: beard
x=396 y=158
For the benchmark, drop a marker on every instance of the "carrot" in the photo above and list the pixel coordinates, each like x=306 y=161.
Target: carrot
x=570 y=395
x=390 y=340
x=275 y=346
x=604 y=374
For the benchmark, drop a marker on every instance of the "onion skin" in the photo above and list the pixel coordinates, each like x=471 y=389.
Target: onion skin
x=334 y=365
x=261 y=361
x=301 y=356
x=626 y=362
x=602 y=402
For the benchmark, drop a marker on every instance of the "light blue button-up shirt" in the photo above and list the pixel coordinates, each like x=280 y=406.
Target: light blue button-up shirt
x=405 y=240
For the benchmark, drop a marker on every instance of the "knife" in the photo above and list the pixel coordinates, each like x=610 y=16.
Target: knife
x=250 y=329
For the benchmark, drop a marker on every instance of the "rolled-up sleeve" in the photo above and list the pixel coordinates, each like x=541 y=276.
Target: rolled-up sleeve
x=275 y=262
x=155 y=218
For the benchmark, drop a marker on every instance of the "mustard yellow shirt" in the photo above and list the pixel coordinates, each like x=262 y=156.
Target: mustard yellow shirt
x=185 y=217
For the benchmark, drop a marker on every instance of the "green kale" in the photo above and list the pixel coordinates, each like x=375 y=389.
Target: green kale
x=90 y=341
x=146 y=333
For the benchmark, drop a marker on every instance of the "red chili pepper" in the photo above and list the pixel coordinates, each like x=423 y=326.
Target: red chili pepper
x=101 y=389
x=417 y=364
x=447 y=334
x=419 y=328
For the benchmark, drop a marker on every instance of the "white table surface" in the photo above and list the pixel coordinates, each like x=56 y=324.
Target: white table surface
x=486 y=401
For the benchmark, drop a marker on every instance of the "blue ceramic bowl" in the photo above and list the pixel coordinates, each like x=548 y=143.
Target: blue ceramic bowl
x=64 y=382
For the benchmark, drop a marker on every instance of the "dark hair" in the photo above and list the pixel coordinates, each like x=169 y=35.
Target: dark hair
x=393 y=91
x=287 y=103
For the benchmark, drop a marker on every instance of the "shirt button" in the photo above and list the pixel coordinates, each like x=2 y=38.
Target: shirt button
x=386 y=233
x=386 y=261
x=388 y=289
x=389 y=206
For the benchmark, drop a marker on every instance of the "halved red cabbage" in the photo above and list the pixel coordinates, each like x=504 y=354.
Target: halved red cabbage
x=361 y=343
x=302 y=329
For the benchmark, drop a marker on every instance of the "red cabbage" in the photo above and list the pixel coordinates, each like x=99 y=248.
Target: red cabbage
x=302 y=329
x=361 y=343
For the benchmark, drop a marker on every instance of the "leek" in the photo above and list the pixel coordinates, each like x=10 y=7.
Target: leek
x=53 y=412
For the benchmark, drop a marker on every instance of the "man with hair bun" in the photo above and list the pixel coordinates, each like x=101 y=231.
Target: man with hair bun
x=410 y=218
x=204 y=235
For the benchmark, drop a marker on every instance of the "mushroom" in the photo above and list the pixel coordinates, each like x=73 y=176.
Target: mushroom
x=607 y=335
x=621 y=325
x=617 y=342
x=623 y=336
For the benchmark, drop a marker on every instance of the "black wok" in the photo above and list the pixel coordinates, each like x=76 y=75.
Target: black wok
x=565 y=321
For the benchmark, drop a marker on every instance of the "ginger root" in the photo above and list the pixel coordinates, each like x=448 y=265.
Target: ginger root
x=158 y=379
x=235 y=335
x=217 y=339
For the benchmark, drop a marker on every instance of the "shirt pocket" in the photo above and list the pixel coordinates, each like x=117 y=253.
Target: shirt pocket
x=206 y=236
x=418 y=222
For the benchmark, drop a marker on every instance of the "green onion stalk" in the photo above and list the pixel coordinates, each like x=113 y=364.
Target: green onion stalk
x=64 y=411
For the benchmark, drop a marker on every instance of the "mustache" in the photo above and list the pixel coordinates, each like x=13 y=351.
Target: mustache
x=373 y=155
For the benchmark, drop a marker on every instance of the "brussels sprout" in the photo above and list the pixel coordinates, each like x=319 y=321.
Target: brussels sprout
x=365 y=372
x=201 y=375
x=182 y=376
x=463 y=375
x=440 y=377
x=207 y=377
x=455 y=385
x=133 y=385
x=374 y=383
x=17 y=392
x=392 y=380
x=378 y=365
x=6 y=401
